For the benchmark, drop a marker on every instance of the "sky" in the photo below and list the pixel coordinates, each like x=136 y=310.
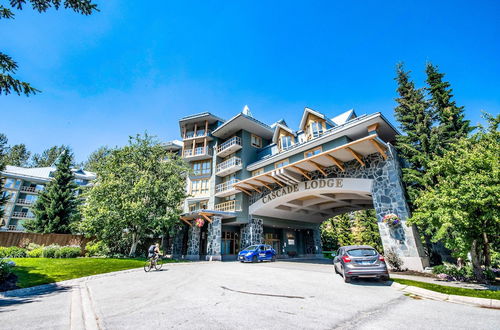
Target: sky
x=139 y=66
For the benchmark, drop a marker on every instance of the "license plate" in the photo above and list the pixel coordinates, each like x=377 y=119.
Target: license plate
x=365 y=262
x=262 y=254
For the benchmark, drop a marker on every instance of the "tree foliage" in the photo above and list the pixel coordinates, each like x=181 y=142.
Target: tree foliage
x=49 y=156
x=366 y=230
x=17 y=155
x=56 y=207
x=3 y=198
x=97 y=158
x=462 y=209
x=138 y=192
x=8 y=67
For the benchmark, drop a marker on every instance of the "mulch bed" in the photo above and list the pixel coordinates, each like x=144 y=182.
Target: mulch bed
x=415 y=273
x=9 y=283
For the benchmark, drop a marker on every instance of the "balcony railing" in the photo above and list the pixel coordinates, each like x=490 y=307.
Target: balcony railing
x=12 y=228
x=198 y=133
x=200 y=151
x=25 y=202
x=229 y=206
x=230 y=145
x=23 y=215
x=231 y=162
x=225 y=186
x=30 y=189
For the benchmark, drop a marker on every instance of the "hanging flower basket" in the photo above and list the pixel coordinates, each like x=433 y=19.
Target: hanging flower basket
x=199 y=222
x=392 y=220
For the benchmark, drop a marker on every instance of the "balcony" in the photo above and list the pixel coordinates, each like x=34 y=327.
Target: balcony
x=30 y=189
x=13 y=228
x=226 y=188
x=230 y=146
x=197 y=153
x=201 y=133
x=229 y=166
x=22 y=215
x=229 y=206
x=25 y=202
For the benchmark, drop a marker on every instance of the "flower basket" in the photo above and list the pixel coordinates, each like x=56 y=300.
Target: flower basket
x=199 y=222
x=392 y=220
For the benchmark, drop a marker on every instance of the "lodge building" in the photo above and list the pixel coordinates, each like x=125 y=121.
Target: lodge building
x=257 y=183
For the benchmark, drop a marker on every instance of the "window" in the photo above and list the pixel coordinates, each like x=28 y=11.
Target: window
x=203 y=205
x=286 y=142
x=281 y=164
x=312 y=152
x=192 y=207
x=258 y=172
x=12 y=183
x=315 y=128
x=199 y=187
x=256 y=141
x=202 y=168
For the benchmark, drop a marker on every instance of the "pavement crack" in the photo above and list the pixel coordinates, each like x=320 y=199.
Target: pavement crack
x=263 y=294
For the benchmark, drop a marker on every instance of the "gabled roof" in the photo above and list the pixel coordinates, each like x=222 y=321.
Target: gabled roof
x=344 y=117
x=277 y=129
x=317 y=114
x=242 y=121
x=43 y=173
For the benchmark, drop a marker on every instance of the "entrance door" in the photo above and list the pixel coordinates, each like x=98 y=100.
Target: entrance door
x=203 y=242
x=273 y=240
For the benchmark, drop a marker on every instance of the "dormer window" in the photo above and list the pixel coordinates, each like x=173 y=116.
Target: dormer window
x=315 y=129
x=286 y=142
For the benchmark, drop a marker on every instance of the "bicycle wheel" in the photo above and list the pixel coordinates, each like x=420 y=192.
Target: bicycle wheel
x=159 y=264
x=148 y=266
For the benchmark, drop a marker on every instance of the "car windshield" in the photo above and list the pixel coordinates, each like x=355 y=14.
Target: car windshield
x=251 y=248
x=362 y=253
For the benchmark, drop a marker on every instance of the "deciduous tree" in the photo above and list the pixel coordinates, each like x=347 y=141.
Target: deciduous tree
x=97 y=158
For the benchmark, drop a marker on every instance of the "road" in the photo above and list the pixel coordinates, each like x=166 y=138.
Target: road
x=230 y=295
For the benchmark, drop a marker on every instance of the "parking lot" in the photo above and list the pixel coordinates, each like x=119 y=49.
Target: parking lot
x=230 y=295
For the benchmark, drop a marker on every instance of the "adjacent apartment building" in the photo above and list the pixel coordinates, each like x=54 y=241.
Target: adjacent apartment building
x=22 y=186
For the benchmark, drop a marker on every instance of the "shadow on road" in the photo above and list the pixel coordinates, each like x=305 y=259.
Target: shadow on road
x=17 y=297
x=370 y=282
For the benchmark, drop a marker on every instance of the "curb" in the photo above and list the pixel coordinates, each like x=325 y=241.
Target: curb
x=464 y=300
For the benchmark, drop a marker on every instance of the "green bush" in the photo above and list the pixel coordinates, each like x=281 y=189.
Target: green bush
x=13 y=252
x=50 y=251
x=5 y=268
x=68 y=252
x=36 y=253
x=33 y=246
x=96 y=249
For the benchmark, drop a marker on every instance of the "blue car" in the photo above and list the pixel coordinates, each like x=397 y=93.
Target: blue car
x=255 y=253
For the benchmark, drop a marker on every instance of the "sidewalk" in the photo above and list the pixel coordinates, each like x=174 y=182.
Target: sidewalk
x=465 y=285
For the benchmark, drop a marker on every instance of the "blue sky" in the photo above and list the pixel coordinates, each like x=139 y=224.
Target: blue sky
x=134 y=67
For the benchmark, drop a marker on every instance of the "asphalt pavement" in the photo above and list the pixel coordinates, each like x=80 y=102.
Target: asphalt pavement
x=230 y=295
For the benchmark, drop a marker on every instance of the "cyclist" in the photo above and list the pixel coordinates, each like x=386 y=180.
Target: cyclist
x=154 y=251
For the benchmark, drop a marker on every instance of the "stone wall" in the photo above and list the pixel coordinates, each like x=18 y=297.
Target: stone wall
x=214 y=239
x=193 y=250
x=251 y=233
x=318 y=245
x=177 y=242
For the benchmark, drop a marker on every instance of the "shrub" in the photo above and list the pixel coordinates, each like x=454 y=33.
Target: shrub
x=68 y=252
x=395 y=262
x=35 y=253
x=12 y=252
x=5 y=268
x=33 y=246
x=50 y=251
x=96 y=249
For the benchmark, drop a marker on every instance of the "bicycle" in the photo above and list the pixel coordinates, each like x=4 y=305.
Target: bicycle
x=155 y=261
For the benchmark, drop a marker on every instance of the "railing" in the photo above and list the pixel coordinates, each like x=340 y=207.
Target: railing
x=230 y=206
x=225 y=186
x=198 y=133
x=12 y=228
x=24 y=202
x=197 y=152
x=29 y=189
x=236 y=140
x=22 y=215
x=233 y=161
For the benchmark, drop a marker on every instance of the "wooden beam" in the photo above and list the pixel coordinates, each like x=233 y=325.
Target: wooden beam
x=276 y=180
x=265 y=184
x=254 y=187
x=379 y=148
x=243 y=190
x=356 y=155
x=318 y=166
x=337 y=162
x=373 y=127
x=185 y=220
x=208 y=219
x=304 y=173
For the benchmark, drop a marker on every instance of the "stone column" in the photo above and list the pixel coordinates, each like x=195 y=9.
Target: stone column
x=193 y=251
x=389 y=197
x=214 y=239
x=177 y=242
x=251 y=233
x=318 y=245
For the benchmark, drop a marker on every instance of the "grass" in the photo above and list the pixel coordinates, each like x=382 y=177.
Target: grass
x=489 y=294
x=37 y=271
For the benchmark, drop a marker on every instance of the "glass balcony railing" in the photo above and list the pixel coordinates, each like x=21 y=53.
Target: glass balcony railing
x=229 y=206
x=31 y=189
x=195 y=134
x=231 y=143
x=231 y=162
x=25 y=202
x=200 y=151
x=225 y=186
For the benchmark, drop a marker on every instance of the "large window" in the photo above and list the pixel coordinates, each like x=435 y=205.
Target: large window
x=258 y=172
x=12 y=183
x=202 y=168
x=256 y=141
x=286 y=142
x=230 y=243
x=281 y=163
x=199 y=187
x=315 y=128
x=312 y=152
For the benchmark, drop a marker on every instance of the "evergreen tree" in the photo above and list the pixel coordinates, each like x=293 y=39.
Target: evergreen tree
x=56 y=207
x=366 y=229
x=49 y=156
x=416 y=144
x=452 y=125
x=17 y=155
x=343 y=229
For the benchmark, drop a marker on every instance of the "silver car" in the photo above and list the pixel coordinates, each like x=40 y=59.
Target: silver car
x=356 y=261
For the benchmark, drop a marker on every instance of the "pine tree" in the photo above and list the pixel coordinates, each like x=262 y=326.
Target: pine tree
x=343 y=229
x=56 y=207
x=452 y=125
x=366 y=229
x=416 y=120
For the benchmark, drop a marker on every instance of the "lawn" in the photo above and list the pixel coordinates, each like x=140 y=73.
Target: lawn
x=489 y=294
x=36 y=271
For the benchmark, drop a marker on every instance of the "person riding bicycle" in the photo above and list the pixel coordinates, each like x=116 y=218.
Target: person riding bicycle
x=154 y=251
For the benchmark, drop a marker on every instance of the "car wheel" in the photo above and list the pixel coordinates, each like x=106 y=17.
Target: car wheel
x=273 y=259
x=254 y=259
x=384 y=278
x=347 y=279
x=335 y=268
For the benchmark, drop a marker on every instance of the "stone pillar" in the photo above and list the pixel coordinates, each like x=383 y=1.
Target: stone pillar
x=389 y=197
x=193 y=251
x=251 y=233
x=178 y=242
x=214 y=239
x=318 y=245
